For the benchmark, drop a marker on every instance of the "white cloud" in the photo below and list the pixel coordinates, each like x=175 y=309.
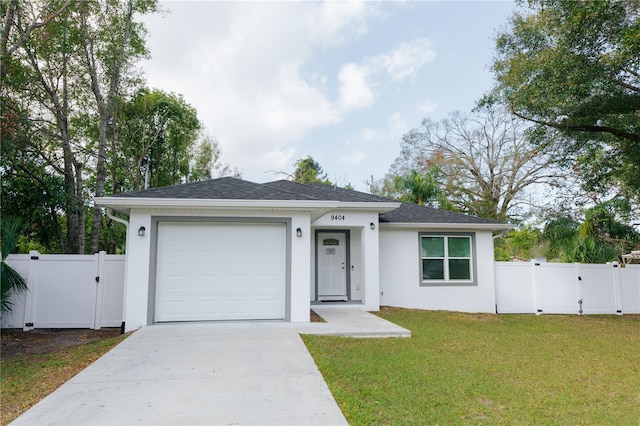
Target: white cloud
x=398 y=125
x=239 y=64
x=367 y=135
x=353 y=158
x=427 y=107
x=279 y=160
x=355 y=92
x=337 y=18
x=247 y=69
x=406 y=59
x=357 y=82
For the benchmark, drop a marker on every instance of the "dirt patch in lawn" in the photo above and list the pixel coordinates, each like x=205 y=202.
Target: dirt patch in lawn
x=15 y=342
x=316 y=318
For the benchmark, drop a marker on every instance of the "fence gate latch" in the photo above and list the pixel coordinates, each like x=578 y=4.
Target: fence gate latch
x=35 y=258
x=97 y=280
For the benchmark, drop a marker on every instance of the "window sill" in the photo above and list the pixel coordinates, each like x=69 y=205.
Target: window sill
x=448 y=284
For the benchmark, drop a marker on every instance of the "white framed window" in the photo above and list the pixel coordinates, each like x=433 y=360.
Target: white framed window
x=447 y=259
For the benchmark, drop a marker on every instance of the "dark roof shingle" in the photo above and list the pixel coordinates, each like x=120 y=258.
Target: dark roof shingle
x=324 y=192
x=226 y=188
x=229 y=188
x=413 y=213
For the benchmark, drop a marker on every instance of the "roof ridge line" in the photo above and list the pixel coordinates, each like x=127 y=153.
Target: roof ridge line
x=197 y=182
x=335 y=187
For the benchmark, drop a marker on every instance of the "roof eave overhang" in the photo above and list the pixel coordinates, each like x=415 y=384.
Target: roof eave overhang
x=379 y=207
x=316 y=207
x=468 y=226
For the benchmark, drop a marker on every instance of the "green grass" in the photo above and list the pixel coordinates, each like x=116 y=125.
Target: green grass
x=488 y=369
x=28 y=379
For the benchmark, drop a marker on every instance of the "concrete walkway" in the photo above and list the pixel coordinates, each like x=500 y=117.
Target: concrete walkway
x=195 y=374
x=350 y=322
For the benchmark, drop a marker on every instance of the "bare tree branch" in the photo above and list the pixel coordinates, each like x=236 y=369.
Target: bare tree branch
x=487 y=163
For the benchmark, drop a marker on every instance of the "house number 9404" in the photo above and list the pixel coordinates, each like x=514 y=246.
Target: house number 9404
x=337 y=217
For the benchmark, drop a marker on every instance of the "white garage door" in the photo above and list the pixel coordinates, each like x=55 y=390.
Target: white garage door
x=220 y=271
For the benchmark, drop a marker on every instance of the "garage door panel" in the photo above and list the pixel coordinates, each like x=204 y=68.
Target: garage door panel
x=265 y=306
x=174 y=284
x=205 y=284
x=203 y=256
x=265 y=281
x=203 y=307
x=220 y=271
x=174 y=307
x=176 y=234
x=266 y=271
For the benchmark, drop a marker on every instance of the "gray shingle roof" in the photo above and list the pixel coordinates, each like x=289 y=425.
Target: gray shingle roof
x=319 y=191
x=413 y=213
x=226 y=188
x=229 y=188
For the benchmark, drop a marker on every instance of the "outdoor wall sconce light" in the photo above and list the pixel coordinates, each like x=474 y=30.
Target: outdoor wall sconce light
x=141 y=231
x=299 y=232
x=372 y=225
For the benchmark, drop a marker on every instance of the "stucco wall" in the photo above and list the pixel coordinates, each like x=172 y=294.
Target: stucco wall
x=357 y=273
x=139 y=271
x=400 y=275
x=364 y=252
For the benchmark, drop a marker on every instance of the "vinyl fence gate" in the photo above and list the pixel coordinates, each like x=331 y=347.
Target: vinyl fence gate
x=68 y=291
x=567 y=288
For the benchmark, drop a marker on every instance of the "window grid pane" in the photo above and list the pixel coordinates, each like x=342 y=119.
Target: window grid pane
x=459 y=269
x=446 y=258
x=433 y=247
x=459 y=246
x=433 y=269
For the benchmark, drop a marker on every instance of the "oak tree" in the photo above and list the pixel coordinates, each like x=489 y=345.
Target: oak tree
x=308 y=170
x=574 y=67
x=486 y=162
x=65 y=64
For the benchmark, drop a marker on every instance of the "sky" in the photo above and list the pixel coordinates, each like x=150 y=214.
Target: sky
x=274 y=82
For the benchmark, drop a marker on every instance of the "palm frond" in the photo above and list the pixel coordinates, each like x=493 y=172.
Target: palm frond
x=10 y=230
x=11 y=282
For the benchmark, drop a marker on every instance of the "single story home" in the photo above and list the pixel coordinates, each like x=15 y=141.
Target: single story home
x=229 y=249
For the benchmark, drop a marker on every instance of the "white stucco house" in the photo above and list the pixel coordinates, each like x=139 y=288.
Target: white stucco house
x=229 y=249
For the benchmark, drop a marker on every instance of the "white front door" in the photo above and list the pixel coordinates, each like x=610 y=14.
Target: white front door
x=332 y=266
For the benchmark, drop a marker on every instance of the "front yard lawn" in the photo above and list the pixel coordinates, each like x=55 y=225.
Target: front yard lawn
x=487 y=369
x=29 y=377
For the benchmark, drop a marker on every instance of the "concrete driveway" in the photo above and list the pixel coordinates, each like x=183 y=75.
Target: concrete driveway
x=194 y=374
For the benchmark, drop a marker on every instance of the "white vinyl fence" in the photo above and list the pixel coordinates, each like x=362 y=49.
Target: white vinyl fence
x=567 y=288
x=87 y=291
x=68 y=291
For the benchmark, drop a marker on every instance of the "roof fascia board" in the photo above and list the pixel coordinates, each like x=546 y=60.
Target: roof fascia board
x=380 y=207
x=130 y=202
x=479 y=226
x=318 y=213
